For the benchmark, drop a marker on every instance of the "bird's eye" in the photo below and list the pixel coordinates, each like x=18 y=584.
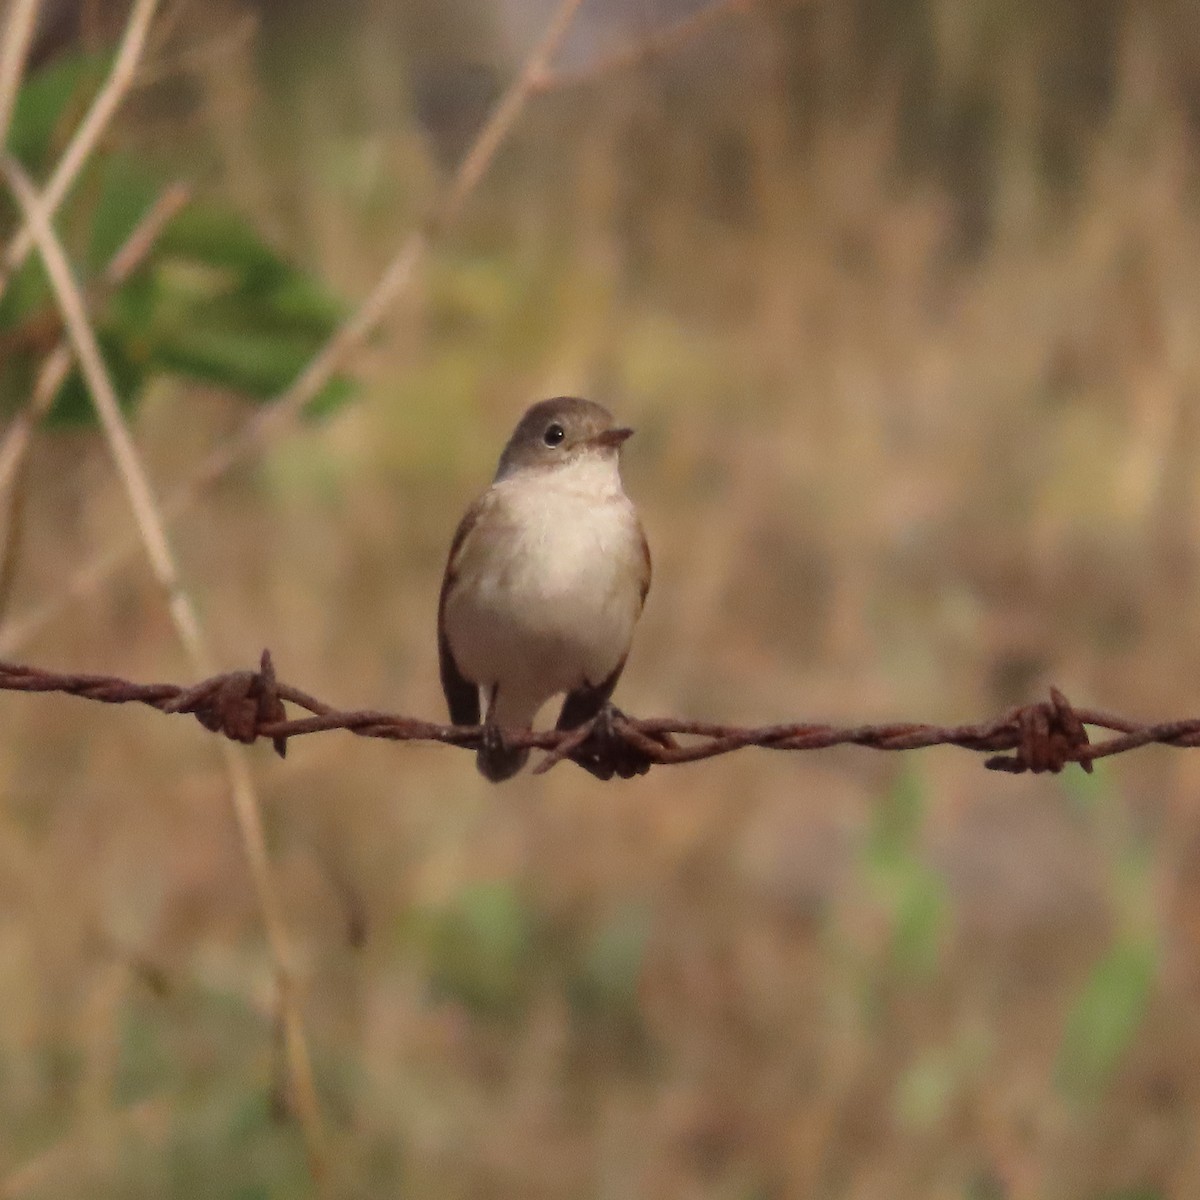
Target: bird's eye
x=553 y=435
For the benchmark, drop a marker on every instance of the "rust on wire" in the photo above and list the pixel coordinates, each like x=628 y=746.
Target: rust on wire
x=248 y=705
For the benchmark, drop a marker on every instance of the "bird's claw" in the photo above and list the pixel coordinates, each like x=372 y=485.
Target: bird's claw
x=605 y=753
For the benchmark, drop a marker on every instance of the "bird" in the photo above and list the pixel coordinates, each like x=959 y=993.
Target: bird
x=546 y=578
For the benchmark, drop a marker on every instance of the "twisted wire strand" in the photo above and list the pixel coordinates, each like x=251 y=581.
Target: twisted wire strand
x=248 y=705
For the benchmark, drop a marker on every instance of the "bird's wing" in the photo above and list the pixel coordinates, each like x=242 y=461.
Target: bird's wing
x=462 y=696
x=585 y=702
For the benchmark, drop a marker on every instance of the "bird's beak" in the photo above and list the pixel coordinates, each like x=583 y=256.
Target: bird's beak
x=612 y=437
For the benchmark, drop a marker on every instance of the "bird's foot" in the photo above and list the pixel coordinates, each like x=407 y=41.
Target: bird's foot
x=605 y=753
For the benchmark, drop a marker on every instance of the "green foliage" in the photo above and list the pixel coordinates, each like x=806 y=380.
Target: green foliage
x=911 y=891
x=1107 y=1016
x=896 y=823
x=1090 y=792
x=212 y=302
x=47 y=98
x=604 y=982
x=480 y=948
x=925 y=1091
x=488 y=949
x=1110 y=1009
x=235 y=1145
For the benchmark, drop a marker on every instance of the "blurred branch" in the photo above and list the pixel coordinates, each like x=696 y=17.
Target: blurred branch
x=212 y=52
x=14 y=48
x=657 y=45
x=258 y=433
x=53 y=373
x=14 y=448
x=80 y=147
x=36 y=213
x=137 y=246
x=248 y=705
x=277 y=416
x=272 y=420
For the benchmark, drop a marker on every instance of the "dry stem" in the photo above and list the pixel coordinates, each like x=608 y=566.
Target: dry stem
x=14 y=448
x=53 y=373
x=275 y=418
x=35 y=211
x=259 y=431
x=18 y=33
x=80 y=147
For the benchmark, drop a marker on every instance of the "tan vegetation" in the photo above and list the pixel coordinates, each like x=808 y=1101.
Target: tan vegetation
x=901 y=299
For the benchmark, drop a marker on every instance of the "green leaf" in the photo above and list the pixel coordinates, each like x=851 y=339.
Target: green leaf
x=213 y=303
x=28 y=292
x=45 y=100
x=303 y=303
x=73 y=405
x=231 y=312
x=243 y=359
x=217 y=237
x=1106 y=1017
x=123 y=195
x=260 y=364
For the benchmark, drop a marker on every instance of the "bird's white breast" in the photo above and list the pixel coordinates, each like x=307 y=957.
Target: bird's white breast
x=548 y=585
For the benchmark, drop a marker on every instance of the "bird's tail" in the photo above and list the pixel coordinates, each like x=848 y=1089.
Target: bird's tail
x=500 y=762
x=496 y=759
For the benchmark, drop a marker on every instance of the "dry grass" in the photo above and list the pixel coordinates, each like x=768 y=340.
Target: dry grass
x=881 y=476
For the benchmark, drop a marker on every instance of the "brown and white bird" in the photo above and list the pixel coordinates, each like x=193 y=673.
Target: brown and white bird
x=546 y=579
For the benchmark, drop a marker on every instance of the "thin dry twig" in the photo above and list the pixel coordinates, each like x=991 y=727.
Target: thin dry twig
x=638 y=53
x=352 y=334
x=35 y=211
x=90 y=130
x=277 y=416
x=53 y=372
x=14 y=447
x=69 y=297
x=249 y=705
x=397 y=275
x=211 y=53
x=14 y=48
x=137 y=246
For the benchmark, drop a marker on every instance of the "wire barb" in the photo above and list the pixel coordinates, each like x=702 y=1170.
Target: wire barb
x=238 y=704
x=1052 y=735
x=1044 y=736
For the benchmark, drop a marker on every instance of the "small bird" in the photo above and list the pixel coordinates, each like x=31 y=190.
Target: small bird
x=546 y=579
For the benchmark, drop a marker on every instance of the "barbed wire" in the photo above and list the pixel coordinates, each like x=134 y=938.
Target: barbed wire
x=248 y=705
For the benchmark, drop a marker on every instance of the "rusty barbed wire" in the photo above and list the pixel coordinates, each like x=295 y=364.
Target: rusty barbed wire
x=248 y=705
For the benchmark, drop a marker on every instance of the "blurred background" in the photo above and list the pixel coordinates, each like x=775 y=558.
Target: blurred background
x=902 y=299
